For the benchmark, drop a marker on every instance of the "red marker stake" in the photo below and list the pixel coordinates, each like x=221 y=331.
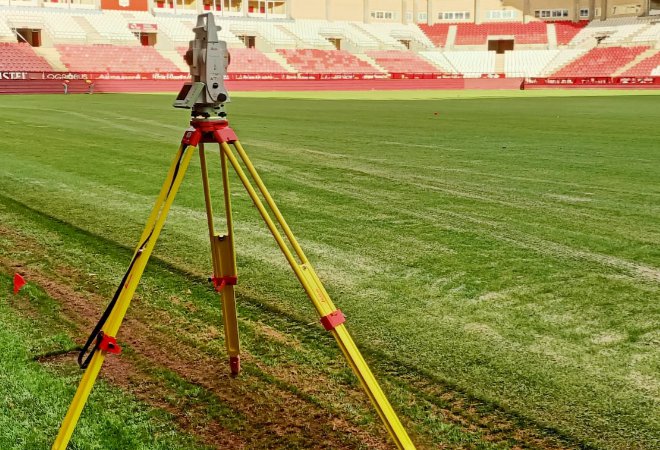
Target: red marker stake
x=19 y=282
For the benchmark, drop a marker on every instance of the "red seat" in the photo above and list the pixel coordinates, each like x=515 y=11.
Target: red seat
x=643 y=68
x=601 y=62
x=326 y=61
x=114 y=58
x=15 y=57
x=402 y=61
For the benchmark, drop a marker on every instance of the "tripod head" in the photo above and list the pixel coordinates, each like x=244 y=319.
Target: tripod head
x=208 y=59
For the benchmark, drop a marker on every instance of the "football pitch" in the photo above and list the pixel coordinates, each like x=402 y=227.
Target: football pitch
x=497 y=256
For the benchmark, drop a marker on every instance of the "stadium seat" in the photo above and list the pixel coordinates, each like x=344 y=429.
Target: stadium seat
x=248 y=60
x=567 y=30
x=647 y=67
x=402 y=61
x=611 y=31
x=472 y=64
x=601 y=62
x=326 y=61
x=523 y=33
x=527 y=63
x=114 y=58
x=21 y=58
x=437 y=33
x=390 y=35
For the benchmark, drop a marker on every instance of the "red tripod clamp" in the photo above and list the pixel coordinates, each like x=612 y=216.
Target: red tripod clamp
x=333 y=320
x=208 y=130
x=220 y=282
x=108 y=344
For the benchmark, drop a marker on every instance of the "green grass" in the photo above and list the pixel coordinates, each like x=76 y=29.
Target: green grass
x=34 y=398
x=507 y=247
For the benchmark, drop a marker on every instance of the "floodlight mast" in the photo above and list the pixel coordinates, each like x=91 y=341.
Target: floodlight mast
x=208 y=59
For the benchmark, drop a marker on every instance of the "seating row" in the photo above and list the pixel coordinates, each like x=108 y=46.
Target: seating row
x=21 y=57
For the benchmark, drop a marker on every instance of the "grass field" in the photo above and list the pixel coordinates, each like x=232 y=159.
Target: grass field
x=497 y=257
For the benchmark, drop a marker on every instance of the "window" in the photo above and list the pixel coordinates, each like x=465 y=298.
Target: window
x=501 y=14
x=584 y=12
x=454 y=15
x=421 y=17
x=551 y=13
x=383 y=15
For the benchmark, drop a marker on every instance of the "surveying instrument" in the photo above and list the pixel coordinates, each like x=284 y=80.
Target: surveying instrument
x=206 y=95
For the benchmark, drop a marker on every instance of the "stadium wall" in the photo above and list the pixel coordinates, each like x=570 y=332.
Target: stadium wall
x=407 y=11
x=78 y=83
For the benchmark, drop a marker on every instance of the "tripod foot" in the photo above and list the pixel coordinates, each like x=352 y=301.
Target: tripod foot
x=235 y=364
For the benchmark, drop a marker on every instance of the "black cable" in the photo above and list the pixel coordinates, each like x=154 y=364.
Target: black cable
x=96 y=332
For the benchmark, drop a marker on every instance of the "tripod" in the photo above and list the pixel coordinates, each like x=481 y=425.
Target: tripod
x=102 y=340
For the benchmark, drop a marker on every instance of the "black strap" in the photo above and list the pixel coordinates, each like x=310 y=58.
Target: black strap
x=97 y=334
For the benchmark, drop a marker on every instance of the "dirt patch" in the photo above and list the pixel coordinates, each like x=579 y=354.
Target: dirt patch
x=271 y=413
x=257 y=413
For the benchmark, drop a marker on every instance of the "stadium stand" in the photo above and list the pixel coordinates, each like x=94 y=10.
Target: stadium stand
x=402 y=61
x=354 y=35
x=566 y=30
x=437 y=33
x=651 y=34
x=60 y=24
x=438 y=59
x=391 y=35
x=248 y=60
x=523 y=33
x=527 y=63
x=472 y=64
x=608 y=48
x=6 y=35
x=647 y=67
x=21 y=57
x=251 y=60
x=601 y=62
x=611 y=31
x=114 y=58
x=307 y=34
x=174 y=29
x=562 y=58
x=179 y=29
x=111 y=26
x=326 y=61
x=270 y=32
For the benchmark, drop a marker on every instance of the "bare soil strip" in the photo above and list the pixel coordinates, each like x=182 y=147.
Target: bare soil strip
x=255 y=413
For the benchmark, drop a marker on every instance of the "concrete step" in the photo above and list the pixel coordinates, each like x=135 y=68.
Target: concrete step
x=370 y=61
x=176 y=58
x=93 y=37
x=281 y=60
x=451 y=37
x=51 y=55
x=647 y=54
x=552 y=36
x=499 y=63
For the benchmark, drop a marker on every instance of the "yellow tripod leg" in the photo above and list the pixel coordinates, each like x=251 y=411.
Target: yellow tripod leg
x=331 y=318
x=148 y=241
x=224 y=261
